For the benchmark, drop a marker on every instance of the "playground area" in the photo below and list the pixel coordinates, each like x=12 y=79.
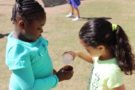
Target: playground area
x=62 y=34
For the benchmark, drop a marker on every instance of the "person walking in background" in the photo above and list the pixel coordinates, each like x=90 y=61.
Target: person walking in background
x=73 y=9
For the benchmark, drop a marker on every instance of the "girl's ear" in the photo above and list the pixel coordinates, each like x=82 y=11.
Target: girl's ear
x=21 y=24
x=101 y=47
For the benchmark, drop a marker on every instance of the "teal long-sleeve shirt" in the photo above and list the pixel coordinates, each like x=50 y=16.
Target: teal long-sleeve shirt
x=30 y=64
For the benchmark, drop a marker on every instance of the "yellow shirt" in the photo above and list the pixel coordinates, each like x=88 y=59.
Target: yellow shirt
x=106 y=75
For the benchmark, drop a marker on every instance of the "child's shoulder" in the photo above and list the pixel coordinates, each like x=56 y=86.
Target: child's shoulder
x=17 y=56
x=17 y=51
x=14 y=47
x=115 y=71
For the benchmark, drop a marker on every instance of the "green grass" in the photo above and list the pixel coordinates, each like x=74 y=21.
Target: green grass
x=62 y=34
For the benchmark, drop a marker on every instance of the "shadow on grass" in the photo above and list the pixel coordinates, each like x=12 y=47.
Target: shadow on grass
x=3 y=35
x=90 y=18
x=52 y=3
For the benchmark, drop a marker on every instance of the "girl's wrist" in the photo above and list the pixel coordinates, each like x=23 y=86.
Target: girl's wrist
x=78 y=54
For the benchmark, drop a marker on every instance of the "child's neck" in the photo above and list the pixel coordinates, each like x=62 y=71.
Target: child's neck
x=107 y=55
x=105 y=58
x=21 y=37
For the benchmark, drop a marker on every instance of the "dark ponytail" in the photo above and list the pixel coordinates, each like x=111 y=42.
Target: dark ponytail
x=28 y=9
x=101 y=32
x=123 y=51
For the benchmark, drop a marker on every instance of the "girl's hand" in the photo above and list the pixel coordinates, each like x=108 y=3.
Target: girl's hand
x=65 y=73
x=81 y=55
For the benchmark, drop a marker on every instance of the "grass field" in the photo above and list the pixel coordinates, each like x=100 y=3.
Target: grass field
x=62 y=34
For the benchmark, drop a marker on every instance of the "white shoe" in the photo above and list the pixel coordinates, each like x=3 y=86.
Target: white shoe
x=70 y=15
x=75 y=19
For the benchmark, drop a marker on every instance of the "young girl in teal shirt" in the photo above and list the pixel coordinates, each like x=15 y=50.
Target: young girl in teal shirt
x=27 y=51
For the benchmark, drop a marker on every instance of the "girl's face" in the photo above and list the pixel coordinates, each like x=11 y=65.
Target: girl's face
x=93 y=51
x=35 y=30
x=31 y=31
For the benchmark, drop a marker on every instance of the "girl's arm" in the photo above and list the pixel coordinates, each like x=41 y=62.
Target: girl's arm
x=120 y=88
x=27 y=81
x=85 y=57
x=81 y=55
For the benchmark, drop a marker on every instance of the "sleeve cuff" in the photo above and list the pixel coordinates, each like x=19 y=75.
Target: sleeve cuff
x=57 y=80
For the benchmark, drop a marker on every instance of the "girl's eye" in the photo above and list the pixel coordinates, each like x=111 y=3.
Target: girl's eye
x=39 y=29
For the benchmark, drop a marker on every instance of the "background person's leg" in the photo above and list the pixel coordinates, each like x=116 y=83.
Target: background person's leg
x=75 y=5
x=70 y=11
x=76 y=12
